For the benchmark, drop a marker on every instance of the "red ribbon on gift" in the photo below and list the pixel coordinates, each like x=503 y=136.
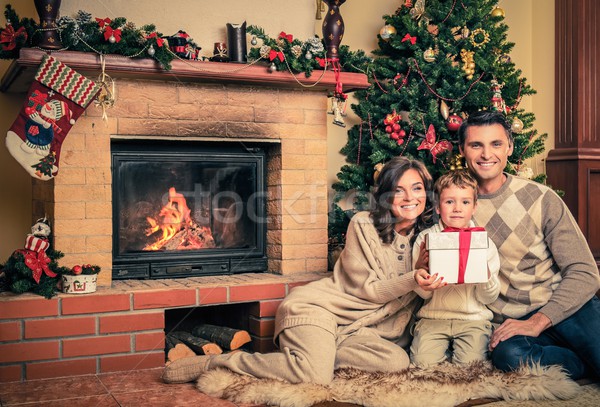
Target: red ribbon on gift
x=464 y=245
x=276 y=54
x=110 y=32
x=38 y=263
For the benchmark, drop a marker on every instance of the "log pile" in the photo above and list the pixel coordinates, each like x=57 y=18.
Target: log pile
x=204 y=339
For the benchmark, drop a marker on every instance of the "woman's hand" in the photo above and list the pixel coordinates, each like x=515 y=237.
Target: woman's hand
x=423 y=259
x=428 y=282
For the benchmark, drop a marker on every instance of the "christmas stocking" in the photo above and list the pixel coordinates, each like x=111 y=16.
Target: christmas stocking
x=56 y=99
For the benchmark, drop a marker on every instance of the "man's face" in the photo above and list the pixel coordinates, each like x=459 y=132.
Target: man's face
x=486 y=150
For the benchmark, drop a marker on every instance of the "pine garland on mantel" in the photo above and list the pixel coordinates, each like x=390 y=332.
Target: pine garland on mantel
x=88 y=34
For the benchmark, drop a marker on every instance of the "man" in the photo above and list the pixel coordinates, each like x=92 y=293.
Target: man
x=547 y=308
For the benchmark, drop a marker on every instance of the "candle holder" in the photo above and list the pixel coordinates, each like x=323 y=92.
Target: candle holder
x=219 y=53
x=236 y=42
x=333 y=28
x=48 y=11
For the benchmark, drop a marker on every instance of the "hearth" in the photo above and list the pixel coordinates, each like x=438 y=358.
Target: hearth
x=187 y=208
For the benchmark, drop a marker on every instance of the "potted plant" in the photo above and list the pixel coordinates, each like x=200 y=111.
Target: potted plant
x=80 y=279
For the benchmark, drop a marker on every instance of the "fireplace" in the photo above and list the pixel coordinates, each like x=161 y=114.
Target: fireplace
x=187 y=208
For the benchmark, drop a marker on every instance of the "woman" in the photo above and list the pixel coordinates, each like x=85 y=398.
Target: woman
x=360 y=316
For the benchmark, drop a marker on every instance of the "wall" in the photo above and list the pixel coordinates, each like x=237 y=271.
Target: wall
x=533 y=32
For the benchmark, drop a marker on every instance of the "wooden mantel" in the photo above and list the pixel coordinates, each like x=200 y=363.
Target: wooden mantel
x=19 y=75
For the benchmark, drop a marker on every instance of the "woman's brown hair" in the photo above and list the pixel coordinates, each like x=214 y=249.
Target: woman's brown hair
x=385 y=188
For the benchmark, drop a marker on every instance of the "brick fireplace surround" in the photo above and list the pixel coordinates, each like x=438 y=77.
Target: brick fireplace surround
x=122 y=325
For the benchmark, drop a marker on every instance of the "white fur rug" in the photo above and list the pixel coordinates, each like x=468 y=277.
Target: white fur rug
x=443 y=385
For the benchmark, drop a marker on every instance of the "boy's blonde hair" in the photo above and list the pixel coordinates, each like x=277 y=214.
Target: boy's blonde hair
x=460 y=178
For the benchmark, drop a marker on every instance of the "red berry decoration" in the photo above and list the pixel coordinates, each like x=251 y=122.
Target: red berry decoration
x=454 y=122
x=402 y=133
x=400 y=141
x=396 y=127
x=388 y=129
x=395 y=136
x=77 y=270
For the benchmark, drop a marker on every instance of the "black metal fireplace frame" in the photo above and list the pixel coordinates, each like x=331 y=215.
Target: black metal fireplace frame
x=193 y=263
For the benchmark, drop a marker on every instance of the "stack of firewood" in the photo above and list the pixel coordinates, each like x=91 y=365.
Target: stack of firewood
x=204 y=339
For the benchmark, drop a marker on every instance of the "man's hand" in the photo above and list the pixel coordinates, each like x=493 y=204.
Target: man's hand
x=533 y=326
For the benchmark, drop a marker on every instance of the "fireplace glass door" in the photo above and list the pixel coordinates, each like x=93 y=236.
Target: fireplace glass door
x=186 y=209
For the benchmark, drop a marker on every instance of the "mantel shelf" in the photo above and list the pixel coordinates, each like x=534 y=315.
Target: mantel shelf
x=20 y=73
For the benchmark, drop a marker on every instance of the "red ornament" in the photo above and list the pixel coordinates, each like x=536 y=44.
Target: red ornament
x=402 y=133
x=388 y=129
x=396 y=127
x=453 y=123
x=400 y=141
x=395 y=136
x=77 y=270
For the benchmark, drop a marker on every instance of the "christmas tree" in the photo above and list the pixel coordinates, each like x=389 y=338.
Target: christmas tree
x=437 y=62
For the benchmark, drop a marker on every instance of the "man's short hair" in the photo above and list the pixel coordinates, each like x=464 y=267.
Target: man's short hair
x=484 y=118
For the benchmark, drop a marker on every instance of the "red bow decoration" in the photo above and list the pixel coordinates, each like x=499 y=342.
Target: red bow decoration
x=9 y=35
x=435 y=147
x=103 y=21
x=464 y=245
x=109 y=31
x=276 y=54
x=38 y=262
x=159 y=41
x=407 y=37
x=285 y=36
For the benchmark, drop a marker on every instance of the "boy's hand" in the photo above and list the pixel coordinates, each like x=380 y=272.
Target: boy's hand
x=429 y=282
x=423 y=259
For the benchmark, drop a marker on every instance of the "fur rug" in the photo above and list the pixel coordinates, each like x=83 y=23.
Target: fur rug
x=443 y=385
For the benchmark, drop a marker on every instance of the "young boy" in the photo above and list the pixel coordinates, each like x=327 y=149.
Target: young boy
x=454 y=320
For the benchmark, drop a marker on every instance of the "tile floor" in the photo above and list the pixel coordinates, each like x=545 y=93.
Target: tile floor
x=145 y=388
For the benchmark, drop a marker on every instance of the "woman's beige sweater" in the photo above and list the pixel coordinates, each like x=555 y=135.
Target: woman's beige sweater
x=371 y=289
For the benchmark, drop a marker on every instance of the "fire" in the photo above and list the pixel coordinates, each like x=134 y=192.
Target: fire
x=178 y=230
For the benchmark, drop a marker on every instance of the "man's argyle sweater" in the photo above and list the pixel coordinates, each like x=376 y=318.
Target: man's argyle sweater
x=545 y=261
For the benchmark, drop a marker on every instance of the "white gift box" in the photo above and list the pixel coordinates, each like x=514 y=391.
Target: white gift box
x=444 y=256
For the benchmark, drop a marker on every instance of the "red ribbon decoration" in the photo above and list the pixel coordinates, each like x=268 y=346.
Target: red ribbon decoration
x=159 y=40
x=285 y=36
x=407 y=37
x=38 y=263
x=464 y=245
x=103 y=21
x=9 y=35
x=276 y=54
x=109 y=31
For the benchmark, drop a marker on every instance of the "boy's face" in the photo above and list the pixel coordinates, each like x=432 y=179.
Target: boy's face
x=456 y=206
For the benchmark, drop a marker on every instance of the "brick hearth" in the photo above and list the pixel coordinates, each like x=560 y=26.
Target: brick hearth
x=121 y=326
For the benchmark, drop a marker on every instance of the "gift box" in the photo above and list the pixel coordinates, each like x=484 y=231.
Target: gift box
x=445 y=257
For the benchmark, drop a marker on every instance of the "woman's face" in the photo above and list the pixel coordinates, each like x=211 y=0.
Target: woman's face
x=409 y=198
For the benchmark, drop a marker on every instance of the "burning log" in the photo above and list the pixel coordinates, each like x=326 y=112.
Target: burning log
x=225 y=337
x=198 y=345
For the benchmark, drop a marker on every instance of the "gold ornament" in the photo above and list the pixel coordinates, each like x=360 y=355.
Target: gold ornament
x=456 y=162
x=497 y=12
x=378 y=167
x=433 y=29
x=387 y=31
x=465 y=32
x=429 y=55
x=468 y=63
x=517 y=125
x=444 y=110
x=479 y=37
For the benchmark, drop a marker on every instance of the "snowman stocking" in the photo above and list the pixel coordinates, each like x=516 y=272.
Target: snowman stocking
x=56 y=99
